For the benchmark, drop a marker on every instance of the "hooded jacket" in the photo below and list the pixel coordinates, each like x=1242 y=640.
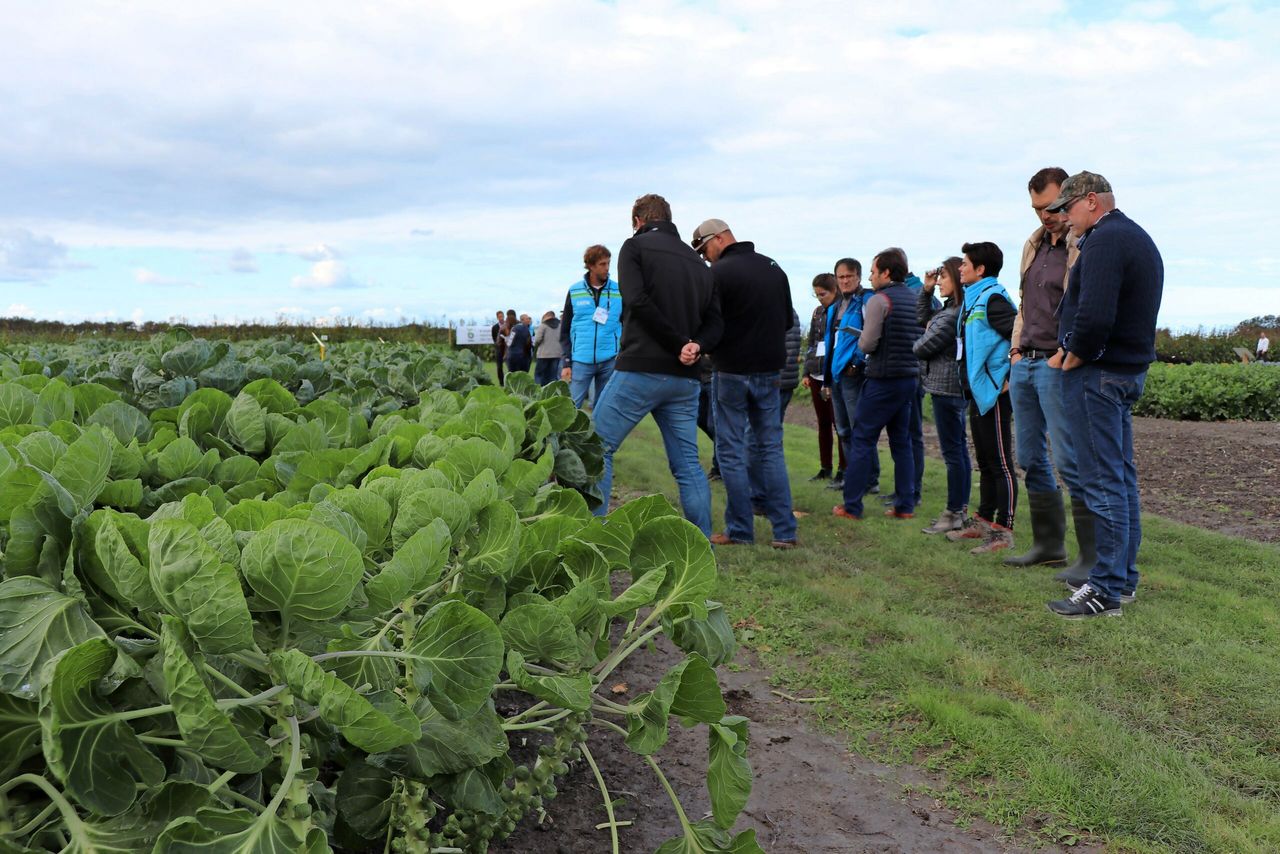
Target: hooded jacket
x=546 y=341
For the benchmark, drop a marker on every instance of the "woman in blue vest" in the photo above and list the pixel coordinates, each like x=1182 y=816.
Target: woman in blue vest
x=592 y=326
x=983 y=328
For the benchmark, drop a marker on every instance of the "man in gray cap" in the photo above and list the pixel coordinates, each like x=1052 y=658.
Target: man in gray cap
x=755 y=304
x=1107 y=340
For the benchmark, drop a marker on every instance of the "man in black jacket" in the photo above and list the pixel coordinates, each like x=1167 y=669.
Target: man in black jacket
x=670 y=314
x=1107 y=332
x=755 y=302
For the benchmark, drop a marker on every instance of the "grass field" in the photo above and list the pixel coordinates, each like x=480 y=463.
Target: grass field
x=1158 y=731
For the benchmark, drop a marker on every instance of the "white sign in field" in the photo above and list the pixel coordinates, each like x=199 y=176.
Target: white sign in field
x=474 y=335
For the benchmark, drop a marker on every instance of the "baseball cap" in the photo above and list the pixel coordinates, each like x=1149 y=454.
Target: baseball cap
x=709 y=228
x=1079 y=184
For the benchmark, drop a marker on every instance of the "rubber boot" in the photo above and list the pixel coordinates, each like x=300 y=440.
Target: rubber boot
x=1078 y=572
x=1048 y=530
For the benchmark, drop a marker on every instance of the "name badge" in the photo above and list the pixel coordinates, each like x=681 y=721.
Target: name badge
x=820 y=349
x=601 y=315
x=959 y=349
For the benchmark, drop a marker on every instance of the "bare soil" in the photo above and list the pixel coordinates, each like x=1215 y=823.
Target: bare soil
x=810 y=794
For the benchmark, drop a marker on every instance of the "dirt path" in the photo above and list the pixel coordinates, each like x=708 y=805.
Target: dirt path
x=810 y=795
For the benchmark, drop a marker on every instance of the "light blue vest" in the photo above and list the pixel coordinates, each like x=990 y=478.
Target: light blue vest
x=986 y=353
x=593 y=342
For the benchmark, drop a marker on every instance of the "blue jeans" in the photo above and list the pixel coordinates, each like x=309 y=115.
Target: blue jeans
x=583 y=374
x=1039 y=413
x=883 y=404
x=673 y=402
x=751 y=401
x=844 y=403
x=1100 y=403
x=948 y=417
x=755 y=462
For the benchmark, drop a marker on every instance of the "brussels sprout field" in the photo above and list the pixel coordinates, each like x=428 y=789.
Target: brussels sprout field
x=256 y=601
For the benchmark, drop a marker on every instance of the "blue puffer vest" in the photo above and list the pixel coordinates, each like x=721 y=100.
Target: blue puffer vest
x=595 y=342
x=894 y=357
x=986 y=353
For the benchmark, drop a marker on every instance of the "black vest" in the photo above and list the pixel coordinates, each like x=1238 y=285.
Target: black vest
x=894 y=358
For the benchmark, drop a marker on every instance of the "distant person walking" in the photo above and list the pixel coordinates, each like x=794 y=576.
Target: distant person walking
x=1264 y=344
x=936 y=350
x=547 y=349
x=670 y=315
x=519 y=343
x=1108 y=332
x=755 y=304
x=499 y=333
x=824 y=291
x=592 y=328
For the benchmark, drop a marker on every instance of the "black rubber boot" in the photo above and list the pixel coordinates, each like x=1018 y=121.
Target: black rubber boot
x=1078 y=572
x=1049 y=530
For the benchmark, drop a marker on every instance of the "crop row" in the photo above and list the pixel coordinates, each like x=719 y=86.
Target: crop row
x=372 y=611
x=1212 y=393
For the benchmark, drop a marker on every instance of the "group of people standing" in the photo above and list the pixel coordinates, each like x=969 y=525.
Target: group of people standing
x=1061 y=370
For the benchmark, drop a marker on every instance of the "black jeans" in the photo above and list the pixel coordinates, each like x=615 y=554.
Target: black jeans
x=993 y=446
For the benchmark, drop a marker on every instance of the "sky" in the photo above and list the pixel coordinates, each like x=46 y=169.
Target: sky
x=375 y=162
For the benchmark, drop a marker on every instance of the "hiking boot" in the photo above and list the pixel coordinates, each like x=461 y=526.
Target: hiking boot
x=839 y=510
x=1125 y=598
x=998 y=539
x=1078 y=572
x=1085 y=602
x=783 y=545
x=895 y=513
x=947 y=521
x=823 y=474
x=1048 y=531
x=973 y=528
x=726 y=540
x=837 y=480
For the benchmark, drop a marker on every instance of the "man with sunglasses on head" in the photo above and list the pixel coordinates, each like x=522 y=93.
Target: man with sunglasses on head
x=1107 y=336
x=755 y=304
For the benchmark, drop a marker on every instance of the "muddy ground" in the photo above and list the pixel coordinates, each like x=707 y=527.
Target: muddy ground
x=810 y=795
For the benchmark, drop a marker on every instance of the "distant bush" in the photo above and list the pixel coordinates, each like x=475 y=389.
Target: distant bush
x=1214 y=346
x=1212 y=393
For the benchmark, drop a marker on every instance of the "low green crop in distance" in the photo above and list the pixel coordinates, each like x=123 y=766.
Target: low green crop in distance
x=255 y=602
x=1212 y=392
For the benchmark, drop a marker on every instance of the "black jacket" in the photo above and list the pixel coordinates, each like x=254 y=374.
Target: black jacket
x=755 y=301
x=668 y=300
x=791 y=370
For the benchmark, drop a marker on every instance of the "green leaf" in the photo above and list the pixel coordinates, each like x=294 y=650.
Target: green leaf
x=271 y=396
x=375 y=726
x=568 y=692
x=119 y=544
x=55 y=403
x=122 y=494
x=495 y=544
x=635 y=514
x=246 y=424
x=712 y=637
x=16 y=405
x=36 y=624
x=90 y=397
x=448 y=747
x=19 y=733
x=193 y=583
x=728 y=771
x=126 y=422
x=365 y=798
x=415 y=566
x=218 y=831
x=464 y=648
x=541 y=632
x=378 y=672
x=688 y=690
x=252 y=514
x=426 y=505
x=638 y=595
x=302 y=569
x=703 y=837
x=369 y=509
x=691 y=574
x=180 y=458
x=95 y=755
x=205 y=728
x=482 y=491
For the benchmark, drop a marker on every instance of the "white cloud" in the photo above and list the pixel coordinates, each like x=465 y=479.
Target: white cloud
x=137 y=315
x=28 y=257
x=17 y=309
x=145 y=276
x=327 y=275
x=318 y=252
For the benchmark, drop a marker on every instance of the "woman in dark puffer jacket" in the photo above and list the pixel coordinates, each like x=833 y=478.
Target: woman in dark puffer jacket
x=936 y=349
x=825 y=290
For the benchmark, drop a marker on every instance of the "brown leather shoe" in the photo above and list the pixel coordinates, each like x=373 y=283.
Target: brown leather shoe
x=839 y=510
x=725 y=540
x=783 y=545
x=895 y=514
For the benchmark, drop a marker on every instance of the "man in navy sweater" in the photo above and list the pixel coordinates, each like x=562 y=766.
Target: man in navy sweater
x=1107 y=336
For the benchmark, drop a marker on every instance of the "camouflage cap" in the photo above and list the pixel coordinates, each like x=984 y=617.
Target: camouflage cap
x=1079 y=184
